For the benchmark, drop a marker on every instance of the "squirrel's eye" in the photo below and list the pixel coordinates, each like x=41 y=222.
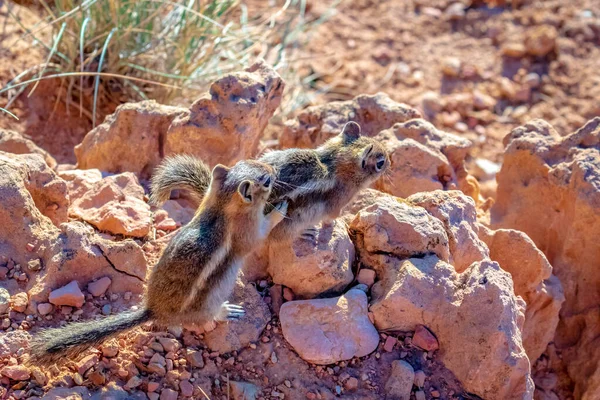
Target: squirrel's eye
x=267 y=182
x=363 y=163
x=380 y=164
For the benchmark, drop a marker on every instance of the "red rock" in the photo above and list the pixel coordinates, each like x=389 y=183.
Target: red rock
x=14 y=142
x=167 y=225
x=317 y=124
x=288 y=294
x=99 y=287
x=541 y=40
x=366 y=277
x=19 y=302
x=153 y=386
x=351 y=384
x=424 y=339
x=170 y=345
x=16 y=372
x=86 y=363
x=115 y=204
x=168 y=394
x=68 y=295
x=186 y=388
x=389 y=344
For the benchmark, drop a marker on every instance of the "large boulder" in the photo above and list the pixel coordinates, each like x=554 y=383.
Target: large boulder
x=314 y=265
x=14 y=142
x=423 y=159
x=396 y=227
x=317 y=124
x=223 y=126
x=549 y=188
x=457 y=213
x=325 y=331
x=130 y=139
x=116 y=205
x=475 y=316
x=533 y=281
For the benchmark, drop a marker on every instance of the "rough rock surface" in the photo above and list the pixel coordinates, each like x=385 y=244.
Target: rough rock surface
x=73 y=250
x=533 y=280
x=116 y=205
x=316 y=265
x=128 y=140
x=317 y=124
x=400 y=382
x=548 y=188
x=423 y=159
x=79 y=181
x=325 y=331
x=396 y=227
x=228 y=337
x=27 y=180
x=223 y=126
x=68 y=295
x=458 y=215
x=479 y=303
x=14 y=142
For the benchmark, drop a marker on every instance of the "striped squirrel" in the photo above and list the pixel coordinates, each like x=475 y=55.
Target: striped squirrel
x=316 y=183
x=196 y=273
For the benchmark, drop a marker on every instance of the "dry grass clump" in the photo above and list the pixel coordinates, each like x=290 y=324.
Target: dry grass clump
x=106 y=52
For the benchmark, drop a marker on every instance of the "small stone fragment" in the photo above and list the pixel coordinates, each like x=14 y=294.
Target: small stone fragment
x=4 y=300
x=16 y=372
x=19 y=302
x=168 y=394
x=99 y=287
x=68 y=295
x=399 y=384
x=169 y=344
x=366 y=277
x=34 y=265
x=195 y=358
x=45 y=308
x=424 y=339
x=186 y=388
x=351 y=384
x=389 y=344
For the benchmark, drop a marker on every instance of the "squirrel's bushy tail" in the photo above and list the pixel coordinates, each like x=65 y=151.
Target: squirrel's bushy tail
x=179 y=172
x=51 y=344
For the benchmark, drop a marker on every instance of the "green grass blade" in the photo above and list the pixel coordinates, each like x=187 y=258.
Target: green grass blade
x=4 y=110
x=97 y=82
x=52 y=51
x=81 y=54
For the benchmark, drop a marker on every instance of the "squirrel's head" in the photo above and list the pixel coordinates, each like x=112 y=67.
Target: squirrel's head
x=247 y=184
x=360 y=158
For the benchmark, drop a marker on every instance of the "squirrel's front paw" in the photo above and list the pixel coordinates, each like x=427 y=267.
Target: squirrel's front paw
x=231 y=312
x=282 y=207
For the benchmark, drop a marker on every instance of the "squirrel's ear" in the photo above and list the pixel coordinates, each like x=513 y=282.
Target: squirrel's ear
x=351 y=130
x=245 y=192
x=219 y=172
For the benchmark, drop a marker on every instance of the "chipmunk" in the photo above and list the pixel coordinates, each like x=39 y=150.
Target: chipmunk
x=316 y=183
x=196 y=273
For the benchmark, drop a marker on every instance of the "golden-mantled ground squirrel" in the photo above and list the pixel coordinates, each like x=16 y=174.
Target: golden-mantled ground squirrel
x=316 y=183
x=197 y=271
